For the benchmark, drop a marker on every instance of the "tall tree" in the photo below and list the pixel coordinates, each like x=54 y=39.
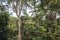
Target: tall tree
x=19 y=7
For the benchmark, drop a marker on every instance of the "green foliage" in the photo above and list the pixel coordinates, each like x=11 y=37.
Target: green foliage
x=12 y=28
x=12 y=23
x=42 y=26
x=3 y=25
x=8 y=27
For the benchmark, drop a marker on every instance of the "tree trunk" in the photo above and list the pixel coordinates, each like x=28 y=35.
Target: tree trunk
x=19 y=29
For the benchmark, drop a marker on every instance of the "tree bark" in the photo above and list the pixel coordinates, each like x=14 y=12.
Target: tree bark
x=19 y=29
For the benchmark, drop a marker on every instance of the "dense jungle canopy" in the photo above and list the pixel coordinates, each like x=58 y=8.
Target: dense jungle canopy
x=42 y=22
